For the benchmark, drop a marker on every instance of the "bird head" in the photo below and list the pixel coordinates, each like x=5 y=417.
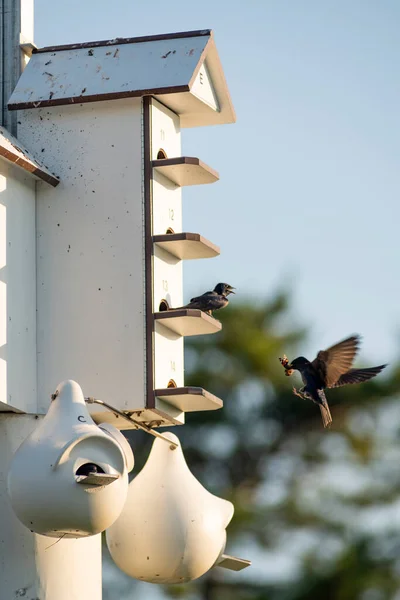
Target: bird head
x=298 y=364
x=224 y=289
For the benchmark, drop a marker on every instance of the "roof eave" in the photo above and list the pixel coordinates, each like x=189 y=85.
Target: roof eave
x=15 y=153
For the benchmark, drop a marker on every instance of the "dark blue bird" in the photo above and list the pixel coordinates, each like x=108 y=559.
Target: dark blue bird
x=330 y=369
x=210 y=301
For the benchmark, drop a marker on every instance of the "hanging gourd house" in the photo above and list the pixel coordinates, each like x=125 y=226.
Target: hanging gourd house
x=107 y=118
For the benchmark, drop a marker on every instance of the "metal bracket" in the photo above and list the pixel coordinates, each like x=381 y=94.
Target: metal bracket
x=139 y=425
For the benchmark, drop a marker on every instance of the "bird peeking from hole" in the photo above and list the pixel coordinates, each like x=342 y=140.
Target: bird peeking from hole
x=331 y=368
x=210 y=301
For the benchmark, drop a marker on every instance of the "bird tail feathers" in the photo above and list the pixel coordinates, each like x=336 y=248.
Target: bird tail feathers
x=324 y=408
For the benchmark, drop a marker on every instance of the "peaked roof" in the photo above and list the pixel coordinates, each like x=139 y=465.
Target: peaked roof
x=14 y=152
x=164 y=66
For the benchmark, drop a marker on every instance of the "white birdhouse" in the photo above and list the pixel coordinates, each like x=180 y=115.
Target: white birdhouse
x=106 y=117
x=70 y=477
x=172 y=530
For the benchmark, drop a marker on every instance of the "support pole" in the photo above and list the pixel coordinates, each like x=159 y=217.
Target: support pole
x=11 y=58
x=35 y=566
x=16 y=27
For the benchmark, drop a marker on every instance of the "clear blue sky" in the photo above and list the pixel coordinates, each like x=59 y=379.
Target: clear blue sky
x=309 y=190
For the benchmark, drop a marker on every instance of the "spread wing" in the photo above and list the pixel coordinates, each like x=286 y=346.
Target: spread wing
x=330 y=364
x=358 y=375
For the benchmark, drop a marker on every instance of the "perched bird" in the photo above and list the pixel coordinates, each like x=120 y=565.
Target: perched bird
x=210 y=301
x=330 y=369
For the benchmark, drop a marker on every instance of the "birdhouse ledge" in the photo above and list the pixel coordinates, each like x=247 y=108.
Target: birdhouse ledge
x=188 y=321
x=186 y=246
x=185 y=170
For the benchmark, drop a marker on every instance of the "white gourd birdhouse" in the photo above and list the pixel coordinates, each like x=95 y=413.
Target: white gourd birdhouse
x=106 y=117
x=70 y=477
x=171 y=530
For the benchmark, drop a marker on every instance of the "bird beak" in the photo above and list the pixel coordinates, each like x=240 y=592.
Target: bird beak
x=230 y=289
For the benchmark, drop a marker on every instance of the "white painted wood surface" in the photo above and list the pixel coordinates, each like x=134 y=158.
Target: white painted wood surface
x=90 y=243
x=188 y=173
x=188 y=322
x=109 y=69
x=165 y=131
x=167 y=205
x=167 y=269
x=12 y=150
x=190 y=399
x=17 y=290
x=169 y=354
x=190 y=246
x=167 y=278
x=203 y=88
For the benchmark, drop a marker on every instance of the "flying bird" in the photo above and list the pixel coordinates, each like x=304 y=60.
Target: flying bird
x=210 y=301
x=331 y=368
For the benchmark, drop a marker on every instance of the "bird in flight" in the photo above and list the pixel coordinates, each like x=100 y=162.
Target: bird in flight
x=331 y=368
x=210 y=301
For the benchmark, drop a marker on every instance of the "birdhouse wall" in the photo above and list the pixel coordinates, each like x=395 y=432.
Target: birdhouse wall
x=169 y=357
x=203 y=88
x=167 y=269
x=17 y=290
x=90 y=249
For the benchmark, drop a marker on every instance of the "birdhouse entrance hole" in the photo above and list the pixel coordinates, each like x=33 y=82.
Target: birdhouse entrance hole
x=88 y=468
x=163 y=306
x=161 y=154
x=171 y=384
x=170 y=230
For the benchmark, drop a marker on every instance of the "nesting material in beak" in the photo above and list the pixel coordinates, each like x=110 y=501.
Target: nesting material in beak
x=285 y=364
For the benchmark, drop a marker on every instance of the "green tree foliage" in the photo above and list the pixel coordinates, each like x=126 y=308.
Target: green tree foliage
x=316 y=511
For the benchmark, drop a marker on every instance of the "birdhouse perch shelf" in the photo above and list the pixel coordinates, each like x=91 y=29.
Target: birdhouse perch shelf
x=188 y=321
x=185 y=170
x=186 y=246
x=189 y=399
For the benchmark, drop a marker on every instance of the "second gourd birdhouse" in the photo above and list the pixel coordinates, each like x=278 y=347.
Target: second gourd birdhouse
x=172 y=530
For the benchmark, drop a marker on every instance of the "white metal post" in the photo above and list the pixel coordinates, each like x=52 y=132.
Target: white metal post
x=16 y=28
x=11 y=61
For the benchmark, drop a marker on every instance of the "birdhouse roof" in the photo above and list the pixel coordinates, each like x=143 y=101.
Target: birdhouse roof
x=14 y=152
x=182 y=70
